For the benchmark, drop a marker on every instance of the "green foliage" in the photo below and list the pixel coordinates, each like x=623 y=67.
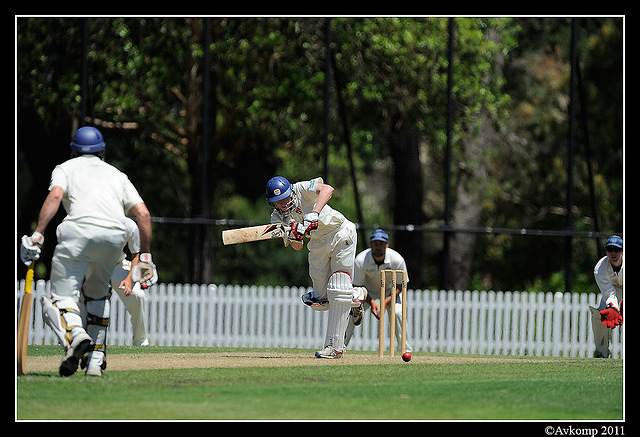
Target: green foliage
x=266 y=117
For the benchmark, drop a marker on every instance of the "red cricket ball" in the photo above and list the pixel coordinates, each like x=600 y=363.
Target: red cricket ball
x=406 y=357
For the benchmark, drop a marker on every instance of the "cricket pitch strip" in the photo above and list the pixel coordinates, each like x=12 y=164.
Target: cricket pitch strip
x=137 y=361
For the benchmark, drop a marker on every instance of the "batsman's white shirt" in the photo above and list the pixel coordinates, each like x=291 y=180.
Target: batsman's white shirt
x=332 y=247
x=609 y=281
x=95 y=192
x=367 y=271
x=97 y=197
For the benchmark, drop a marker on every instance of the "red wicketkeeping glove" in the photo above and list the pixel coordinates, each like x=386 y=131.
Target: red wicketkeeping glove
x=611 y=317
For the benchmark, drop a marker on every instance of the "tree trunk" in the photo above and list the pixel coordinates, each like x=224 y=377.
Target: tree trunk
x=200 y=240
x=407 y=178
x=470 y=189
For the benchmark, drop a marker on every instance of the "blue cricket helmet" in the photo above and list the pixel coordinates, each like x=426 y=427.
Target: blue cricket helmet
x=278 y=188
x=87 y=139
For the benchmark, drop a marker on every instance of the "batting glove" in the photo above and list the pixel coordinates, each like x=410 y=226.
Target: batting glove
x=30 y=248
x=611 y=317
x=297 y=231
x=145 y=271
x=310 y=223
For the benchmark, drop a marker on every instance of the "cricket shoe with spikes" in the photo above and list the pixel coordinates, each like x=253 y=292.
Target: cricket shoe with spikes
x=80 y=344
x=357 y=314
x=329 y=352
x=313 y=302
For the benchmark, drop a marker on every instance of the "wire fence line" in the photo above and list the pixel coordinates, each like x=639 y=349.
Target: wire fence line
x=458 y=322
x=403 y=227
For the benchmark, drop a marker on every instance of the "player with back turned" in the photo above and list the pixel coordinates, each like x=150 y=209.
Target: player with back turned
x=96 y=197
x=332 y=242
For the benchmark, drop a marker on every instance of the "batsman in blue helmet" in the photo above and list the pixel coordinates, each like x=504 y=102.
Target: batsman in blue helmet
x=332 y=241
x=97 y=198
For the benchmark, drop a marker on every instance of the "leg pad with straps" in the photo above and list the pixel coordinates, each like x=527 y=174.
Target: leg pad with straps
x=98 y=312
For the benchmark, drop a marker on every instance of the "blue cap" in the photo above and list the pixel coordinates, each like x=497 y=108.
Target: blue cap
x=614 y=241
x=379 y=235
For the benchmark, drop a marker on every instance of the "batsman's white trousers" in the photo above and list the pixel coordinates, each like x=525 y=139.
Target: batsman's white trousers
x=83 y=260
x=334 y=251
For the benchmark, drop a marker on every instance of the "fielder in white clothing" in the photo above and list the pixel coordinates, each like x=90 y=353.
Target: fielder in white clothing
x=132 y=294
x=96 y=197
x=368 y=265
x=332 y=247
x=609 y=275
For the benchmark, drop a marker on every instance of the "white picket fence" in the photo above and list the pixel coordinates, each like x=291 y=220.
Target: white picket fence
x=457 y=322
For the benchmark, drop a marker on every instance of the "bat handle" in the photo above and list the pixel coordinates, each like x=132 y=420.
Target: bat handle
x=24 y=321
x=29 y=278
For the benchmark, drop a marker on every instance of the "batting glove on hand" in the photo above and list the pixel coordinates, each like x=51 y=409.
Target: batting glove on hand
x=611 y=317
x=310 y=223
x=297 y=232
x=145 y=271
x=30 y=248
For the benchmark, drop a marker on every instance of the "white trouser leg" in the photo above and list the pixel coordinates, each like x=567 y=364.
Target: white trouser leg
x=135 y=305
x=601 y=334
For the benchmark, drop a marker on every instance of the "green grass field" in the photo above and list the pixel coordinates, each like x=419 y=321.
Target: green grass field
x=383 y=389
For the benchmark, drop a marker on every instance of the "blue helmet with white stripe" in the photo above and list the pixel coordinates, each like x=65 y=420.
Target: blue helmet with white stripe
x=279 y=188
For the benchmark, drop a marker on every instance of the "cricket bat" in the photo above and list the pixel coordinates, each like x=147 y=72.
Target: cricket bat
x=23 y=322
x=254 y=233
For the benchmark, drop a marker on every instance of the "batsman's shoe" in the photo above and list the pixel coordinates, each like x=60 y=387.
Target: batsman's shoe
x=93 y=370
x=357 y=314
x=329 y=352
x=312 y=301
x=80 y=344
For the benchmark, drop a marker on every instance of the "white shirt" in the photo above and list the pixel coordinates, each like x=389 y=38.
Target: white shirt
x=609 y=282
x=132 y=238
x=95 y=192
x=328 y=220
x=366 y=272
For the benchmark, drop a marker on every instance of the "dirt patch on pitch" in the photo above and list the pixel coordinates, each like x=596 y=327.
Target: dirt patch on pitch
x=249 y=359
